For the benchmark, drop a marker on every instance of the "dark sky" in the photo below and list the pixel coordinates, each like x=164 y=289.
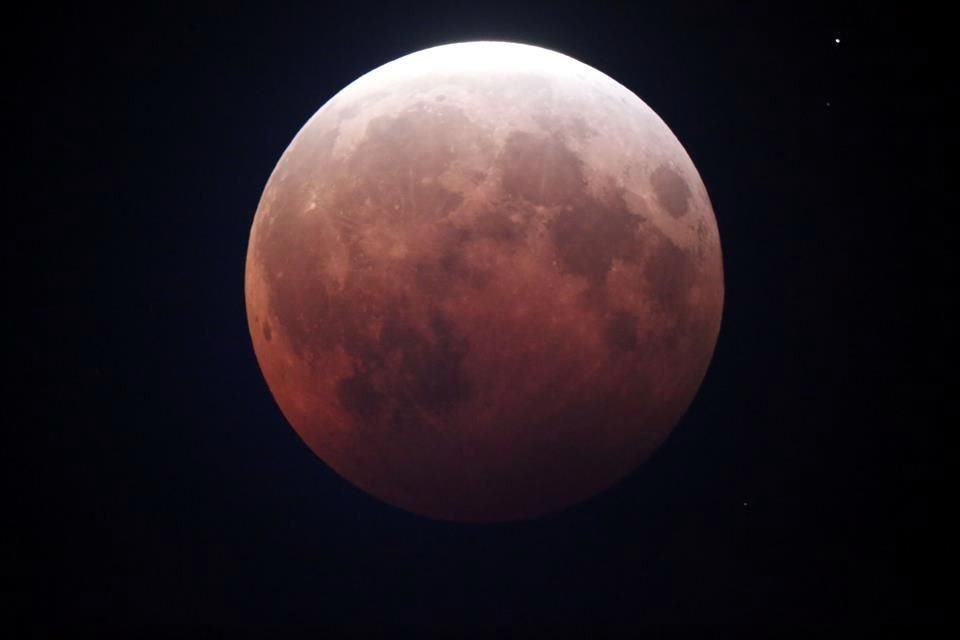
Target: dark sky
x=158 y=481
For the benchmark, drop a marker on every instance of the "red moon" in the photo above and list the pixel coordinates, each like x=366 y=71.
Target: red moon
x=484 y=282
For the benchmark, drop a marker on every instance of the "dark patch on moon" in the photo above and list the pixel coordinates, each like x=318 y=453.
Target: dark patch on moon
x=267 y=333
x=497 y=224
x=438 y=367
x=405 y=418
x=672 y=190
x=575 y=128
x=441 y=274
x=591 y=234
x=349 y=110
x=423 y=371
x=428 y=138
x=298 y=296
x=621 y=331
x=540 y=169
x=701 y=240
x=371 y=187
x=670 y=272
x=579 y=128
x=358 y=396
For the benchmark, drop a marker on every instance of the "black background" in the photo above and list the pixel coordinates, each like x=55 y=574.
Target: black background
x=158 y=481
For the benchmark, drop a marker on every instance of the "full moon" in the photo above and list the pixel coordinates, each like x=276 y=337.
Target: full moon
x=484 y=282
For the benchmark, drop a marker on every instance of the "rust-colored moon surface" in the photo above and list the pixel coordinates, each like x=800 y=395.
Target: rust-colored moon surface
x=484 y=282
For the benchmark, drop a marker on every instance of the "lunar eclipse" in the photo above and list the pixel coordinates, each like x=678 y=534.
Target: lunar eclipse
x=484 y=282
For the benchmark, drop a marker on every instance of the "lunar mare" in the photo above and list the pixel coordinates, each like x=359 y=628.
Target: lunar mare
x=484 y=282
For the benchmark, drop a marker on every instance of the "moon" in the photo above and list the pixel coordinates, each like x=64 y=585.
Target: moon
x=484 y=282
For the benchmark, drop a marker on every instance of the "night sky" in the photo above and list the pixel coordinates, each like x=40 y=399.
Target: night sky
x=154 y=479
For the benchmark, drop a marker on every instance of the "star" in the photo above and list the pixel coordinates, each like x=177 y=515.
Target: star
x=836 y=40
